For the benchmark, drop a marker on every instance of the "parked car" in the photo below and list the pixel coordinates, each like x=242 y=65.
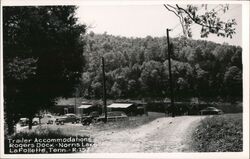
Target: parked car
x=48 y=119
x=67 y=118
x=113 y=116
x=90 y=118
x=35 y=121
x=25 y=121
x=211 y=111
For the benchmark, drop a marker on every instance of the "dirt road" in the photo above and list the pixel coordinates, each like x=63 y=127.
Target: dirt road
x=161 y=135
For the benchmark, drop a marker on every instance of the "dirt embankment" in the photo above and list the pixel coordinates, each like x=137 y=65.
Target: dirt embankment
x=161 y=135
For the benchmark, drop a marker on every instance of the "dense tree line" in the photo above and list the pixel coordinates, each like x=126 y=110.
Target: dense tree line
x=138 y=68
x=43 y=58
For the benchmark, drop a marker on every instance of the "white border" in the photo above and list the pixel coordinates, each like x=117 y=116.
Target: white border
x=245 y=60
x=111 y=2
x=245 y=46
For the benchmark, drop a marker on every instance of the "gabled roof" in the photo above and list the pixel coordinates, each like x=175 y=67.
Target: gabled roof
x=70 y=101
x=120 y=105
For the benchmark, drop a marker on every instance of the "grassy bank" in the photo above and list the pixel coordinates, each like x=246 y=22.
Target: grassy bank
x=223 y=133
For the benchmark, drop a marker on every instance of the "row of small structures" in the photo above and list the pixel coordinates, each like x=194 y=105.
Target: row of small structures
x=81 y=106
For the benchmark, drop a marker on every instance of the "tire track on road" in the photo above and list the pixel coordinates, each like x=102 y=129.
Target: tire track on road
x=161 y=135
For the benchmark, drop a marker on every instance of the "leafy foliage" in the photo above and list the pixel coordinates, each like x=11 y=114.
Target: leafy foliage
x=209 y=21
x=138 y=68
x=43 y=57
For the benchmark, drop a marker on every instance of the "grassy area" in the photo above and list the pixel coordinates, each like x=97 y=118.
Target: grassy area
x=223 y=133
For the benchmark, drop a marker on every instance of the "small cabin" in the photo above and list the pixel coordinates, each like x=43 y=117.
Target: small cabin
x=76 y=106
x=129 y=108
x=85 y=109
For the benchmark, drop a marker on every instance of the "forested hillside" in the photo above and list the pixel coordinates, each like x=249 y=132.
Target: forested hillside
x=138 y=68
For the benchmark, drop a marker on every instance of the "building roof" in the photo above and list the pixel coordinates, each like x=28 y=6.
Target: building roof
x=120 y=105
x=68 y=101
x=71 y=101
x=84 y=106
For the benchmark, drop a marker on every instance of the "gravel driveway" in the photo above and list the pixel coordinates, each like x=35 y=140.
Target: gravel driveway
x=161 y=135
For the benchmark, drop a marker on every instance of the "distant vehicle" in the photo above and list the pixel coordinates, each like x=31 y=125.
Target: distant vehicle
x=113 y=116
x=211 y=111
x=92 y=117
x=35 y=121
x=25 y=121
x=67 y=118
x=48 y=119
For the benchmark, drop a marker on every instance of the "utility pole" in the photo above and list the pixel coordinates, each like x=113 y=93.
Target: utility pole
x=170 y=76
x=104 y=89
x=75 y=104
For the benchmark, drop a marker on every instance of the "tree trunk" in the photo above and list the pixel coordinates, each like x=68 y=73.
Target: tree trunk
x=30 y=122
x=145 y=110
x=10 y=124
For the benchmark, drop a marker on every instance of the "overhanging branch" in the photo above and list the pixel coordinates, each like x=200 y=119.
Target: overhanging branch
x=179 y=16
x=171 y=10
x=194 y=20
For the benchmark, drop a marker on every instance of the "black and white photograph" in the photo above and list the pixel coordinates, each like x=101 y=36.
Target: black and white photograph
x=129 y=79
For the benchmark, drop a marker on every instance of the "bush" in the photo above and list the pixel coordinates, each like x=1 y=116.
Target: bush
x=229 y=107
x=219 y=134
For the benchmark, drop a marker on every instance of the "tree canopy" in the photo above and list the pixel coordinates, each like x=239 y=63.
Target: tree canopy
x=138 y=68
x=43 y=57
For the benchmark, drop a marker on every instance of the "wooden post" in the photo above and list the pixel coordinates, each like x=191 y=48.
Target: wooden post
x=75 y=105
x=104 y=89
x=170 y=75
x=145 y=107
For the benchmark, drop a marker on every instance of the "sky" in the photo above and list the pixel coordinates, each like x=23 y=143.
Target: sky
x=152 y=20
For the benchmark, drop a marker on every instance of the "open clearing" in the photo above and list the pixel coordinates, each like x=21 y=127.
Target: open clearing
x=154 y=133
x=161 y=135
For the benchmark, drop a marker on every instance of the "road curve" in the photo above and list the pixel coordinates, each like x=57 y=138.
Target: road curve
x=165 y=134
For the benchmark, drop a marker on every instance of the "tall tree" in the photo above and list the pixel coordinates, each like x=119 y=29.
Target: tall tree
x=43 y=58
